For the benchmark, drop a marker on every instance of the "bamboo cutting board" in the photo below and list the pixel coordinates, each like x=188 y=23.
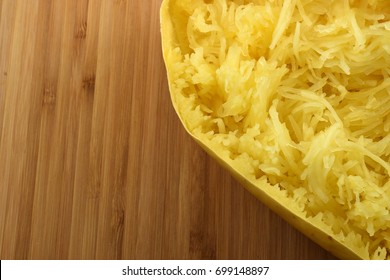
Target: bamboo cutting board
x=94 y=163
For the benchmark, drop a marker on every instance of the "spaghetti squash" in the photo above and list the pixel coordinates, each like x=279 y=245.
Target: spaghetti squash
x=293 y=96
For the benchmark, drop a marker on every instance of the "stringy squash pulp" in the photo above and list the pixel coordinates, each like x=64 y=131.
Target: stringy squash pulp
x=294 y=96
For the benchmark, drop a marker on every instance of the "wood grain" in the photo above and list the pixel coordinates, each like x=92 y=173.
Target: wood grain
x=94 y=163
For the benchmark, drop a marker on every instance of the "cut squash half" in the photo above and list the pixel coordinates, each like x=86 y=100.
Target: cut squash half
x=293 y=98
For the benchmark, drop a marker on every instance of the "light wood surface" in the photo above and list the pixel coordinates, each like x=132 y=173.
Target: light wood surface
x=94 y=163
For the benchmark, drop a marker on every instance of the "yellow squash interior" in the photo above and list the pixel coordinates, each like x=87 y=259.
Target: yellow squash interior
x=294 y=98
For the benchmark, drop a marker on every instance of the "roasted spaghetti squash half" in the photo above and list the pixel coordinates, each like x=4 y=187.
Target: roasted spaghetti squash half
x=293 y=97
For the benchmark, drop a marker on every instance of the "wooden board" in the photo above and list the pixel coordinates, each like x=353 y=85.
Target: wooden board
x=94 y=163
